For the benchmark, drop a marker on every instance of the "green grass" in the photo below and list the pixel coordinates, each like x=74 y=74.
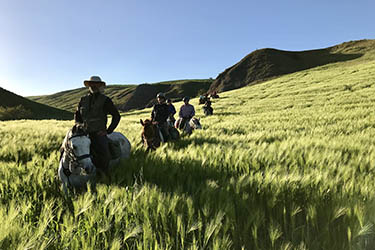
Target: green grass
x=286 y=164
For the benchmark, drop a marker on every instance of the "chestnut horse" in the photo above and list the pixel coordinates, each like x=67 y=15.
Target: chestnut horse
x=150 y=135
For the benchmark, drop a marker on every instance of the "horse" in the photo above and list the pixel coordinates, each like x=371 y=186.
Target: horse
x=190 y=125
x=76 y=168
x=208 y=110
x=173 y=132
x=151 y=135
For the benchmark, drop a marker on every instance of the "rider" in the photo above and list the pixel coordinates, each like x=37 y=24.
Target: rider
x=92 y=111
x=172 y=110
x=187 y=111
x=207 y=106
x=159 y=114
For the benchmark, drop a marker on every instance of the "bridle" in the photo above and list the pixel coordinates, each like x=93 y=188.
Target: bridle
x=74 y=160
x=70 y=162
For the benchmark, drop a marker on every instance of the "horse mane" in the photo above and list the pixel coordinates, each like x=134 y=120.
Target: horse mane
x=77 y=129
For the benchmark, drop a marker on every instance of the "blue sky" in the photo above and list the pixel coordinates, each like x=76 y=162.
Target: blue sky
x=47 y=46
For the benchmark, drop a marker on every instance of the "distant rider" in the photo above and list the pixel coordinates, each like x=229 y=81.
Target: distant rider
x=92 y=111
x=187 y=111
x=207 y=107
x=160 y=114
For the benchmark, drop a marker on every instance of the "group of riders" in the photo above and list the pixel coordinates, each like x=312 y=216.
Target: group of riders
x=163 y=115
x=94 y=107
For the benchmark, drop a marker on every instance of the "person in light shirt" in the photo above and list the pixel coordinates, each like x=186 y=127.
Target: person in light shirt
x=187 y=111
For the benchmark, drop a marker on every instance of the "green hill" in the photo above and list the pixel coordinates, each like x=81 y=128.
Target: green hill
x=267 y=63
x=13 y=107
x=256 y=67
x=127 y=97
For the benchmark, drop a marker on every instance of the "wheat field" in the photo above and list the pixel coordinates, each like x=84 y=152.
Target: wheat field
x=285 y=164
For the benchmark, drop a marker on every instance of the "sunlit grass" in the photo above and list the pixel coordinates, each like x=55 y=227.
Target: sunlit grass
x=286 y=164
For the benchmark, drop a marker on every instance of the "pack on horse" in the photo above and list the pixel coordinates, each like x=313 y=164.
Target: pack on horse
x=76 y=168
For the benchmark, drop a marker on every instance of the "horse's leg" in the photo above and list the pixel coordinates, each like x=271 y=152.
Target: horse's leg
x=64 y=179
x=161 y=135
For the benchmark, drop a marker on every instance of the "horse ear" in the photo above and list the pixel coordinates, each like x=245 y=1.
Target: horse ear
x=74 y=129
x=142 y=122
x=199 y=119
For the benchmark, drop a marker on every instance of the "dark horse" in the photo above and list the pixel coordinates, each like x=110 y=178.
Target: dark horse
x=150 y=135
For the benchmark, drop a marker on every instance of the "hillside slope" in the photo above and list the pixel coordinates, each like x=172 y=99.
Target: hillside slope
x=13 y=105
x=127 y=97
x=266 y=63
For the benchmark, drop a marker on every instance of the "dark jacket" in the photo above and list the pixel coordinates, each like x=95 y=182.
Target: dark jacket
x=160 y=113
x=172 y=109
x=93 y=110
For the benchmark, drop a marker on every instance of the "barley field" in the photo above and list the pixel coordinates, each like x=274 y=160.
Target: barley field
x=285 y=164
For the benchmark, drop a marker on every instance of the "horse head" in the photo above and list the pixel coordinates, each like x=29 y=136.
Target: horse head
x=195 y=123
x=150 y=134
x=77 y=145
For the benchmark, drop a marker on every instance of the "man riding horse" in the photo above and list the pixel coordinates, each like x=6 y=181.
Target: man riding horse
x=159 y=115
x=207 y=108
x=92 y=112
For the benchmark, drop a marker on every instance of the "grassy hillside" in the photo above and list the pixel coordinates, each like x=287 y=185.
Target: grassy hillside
x=127 y=97
x=13 y=107
x=287 y=164
x=69 y=99
x=263 y=64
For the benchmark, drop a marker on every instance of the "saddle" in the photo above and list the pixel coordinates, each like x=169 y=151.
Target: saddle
x=114 y=149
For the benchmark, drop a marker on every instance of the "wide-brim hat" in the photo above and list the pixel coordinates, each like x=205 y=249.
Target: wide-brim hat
x=94 y=80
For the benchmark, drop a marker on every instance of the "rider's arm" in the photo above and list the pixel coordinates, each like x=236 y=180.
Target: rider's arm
x=153 y=113
x=77 y=114
x=180 y=114
x=192 y=111
x=111 y=109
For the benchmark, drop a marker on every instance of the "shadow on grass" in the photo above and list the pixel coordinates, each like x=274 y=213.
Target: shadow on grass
x=185 y=141
x=219 y=113
x=246 y=202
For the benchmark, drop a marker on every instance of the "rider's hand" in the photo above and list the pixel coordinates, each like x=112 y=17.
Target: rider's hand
x=102 y=133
